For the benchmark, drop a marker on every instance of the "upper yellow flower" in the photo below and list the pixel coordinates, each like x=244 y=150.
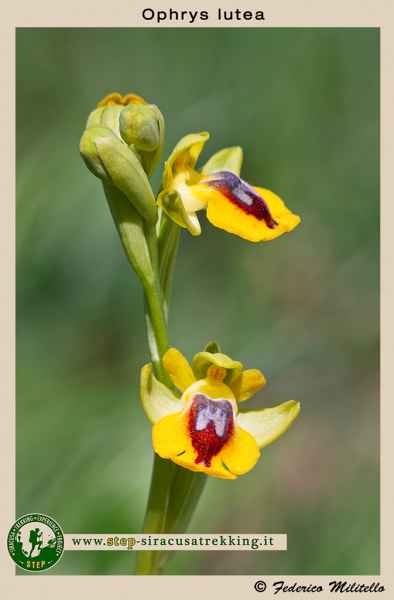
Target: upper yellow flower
x=253 y=213
x=203 y=430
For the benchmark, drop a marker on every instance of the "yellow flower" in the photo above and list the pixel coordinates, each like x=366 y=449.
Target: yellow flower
x=253 y=213
x=203 y=429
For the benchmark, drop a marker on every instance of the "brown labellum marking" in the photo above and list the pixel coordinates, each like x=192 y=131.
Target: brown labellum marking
x=211 y=425
x=242 y=195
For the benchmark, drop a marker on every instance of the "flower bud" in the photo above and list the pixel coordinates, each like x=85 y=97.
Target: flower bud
x=106 y=116
x=110 y=118
x=89 y=152
x=141 y=126
x=108 y=157
x=94 y=119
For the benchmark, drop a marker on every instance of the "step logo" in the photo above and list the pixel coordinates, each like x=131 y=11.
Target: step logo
x=35 y=542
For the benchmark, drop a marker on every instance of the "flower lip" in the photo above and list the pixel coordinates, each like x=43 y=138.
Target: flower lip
x=210 y=425
x=242 y=195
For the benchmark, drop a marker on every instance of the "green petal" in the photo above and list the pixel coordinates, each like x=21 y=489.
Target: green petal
x=227 y=159
x=158 y=401
x=268 y=424
x=203 y=360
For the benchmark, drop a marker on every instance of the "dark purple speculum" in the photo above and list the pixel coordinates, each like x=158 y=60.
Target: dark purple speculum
x=211 y=424
x=242 y=195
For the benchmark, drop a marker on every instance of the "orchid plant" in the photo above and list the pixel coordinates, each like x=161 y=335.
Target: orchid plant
x=197 y=427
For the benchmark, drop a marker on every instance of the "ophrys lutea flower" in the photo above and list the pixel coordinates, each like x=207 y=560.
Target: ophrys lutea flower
x=203 y=430
x=253 y=213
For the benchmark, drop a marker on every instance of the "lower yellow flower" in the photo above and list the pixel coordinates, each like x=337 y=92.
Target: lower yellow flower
x=253 y=213
x=203 y=430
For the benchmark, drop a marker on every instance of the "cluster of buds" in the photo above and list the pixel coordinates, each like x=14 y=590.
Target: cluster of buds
x=122 y=144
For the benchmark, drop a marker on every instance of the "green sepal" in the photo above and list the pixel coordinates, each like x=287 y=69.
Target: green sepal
x=203 y=360
x=138 y=125
x=110 y=118
x=105 y=116
x=142 y=128
x=173 y=206
x=184 y=156
x=227 y=159
x=270 y=423
x=130 y=227
x=150 y=159
x=94 y=119
x=126 y=173
x=157 y=400
x=88 y=148
x=212 y=347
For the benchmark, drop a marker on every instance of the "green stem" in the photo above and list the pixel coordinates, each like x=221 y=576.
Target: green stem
x=174 y=492
x=186 y=490
x=156 y=321
x=157 y=332
x=187 y=486
x=156 y=510
x=163 y=470
x=168 y=247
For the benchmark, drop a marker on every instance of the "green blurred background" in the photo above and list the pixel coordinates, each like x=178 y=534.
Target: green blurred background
x=303 y=103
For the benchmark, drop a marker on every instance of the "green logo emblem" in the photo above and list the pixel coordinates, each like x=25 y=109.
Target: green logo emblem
x=35 y=542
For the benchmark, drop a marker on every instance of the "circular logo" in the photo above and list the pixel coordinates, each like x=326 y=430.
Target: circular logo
x=260 y=586
x=35 y=542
